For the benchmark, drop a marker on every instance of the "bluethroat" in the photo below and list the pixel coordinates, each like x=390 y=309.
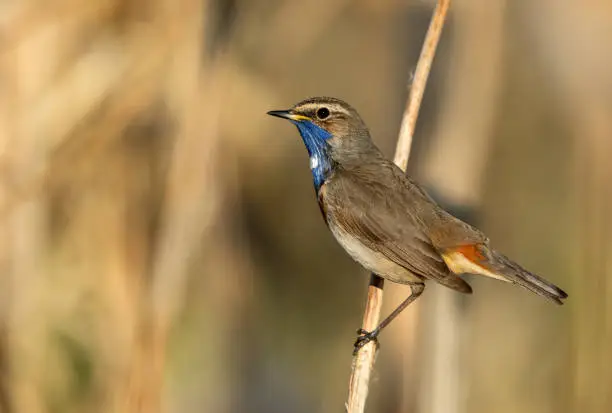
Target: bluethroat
x=387 y=222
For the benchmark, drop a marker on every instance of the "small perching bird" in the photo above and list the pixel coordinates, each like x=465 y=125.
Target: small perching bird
x=386 y=221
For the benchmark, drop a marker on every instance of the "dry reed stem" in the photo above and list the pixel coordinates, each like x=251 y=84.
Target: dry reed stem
x=363 y=361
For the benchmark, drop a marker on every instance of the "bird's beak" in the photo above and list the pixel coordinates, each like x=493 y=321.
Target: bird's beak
x=287 y=114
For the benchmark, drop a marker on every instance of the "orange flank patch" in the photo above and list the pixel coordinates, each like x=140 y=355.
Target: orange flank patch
x=467 y=259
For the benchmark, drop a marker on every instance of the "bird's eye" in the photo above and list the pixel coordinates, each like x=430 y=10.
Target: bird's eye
x=322 y=113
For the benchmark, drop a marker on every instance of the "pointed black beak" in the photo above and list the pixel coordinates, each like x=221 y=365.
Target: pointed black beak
x=287 y=114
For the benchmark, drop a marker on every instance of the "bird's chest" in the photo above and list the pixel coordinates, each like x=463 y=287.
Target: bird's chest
x=370 y=259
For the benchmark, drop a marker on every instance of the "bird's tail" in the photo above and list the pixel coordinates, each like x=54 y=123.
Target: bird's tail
x=519 y=275
x=479 y=259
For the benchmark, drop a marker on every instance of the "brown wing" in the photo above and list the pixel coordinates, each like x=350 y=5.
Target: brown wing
x=383 y=214
x=443 y=229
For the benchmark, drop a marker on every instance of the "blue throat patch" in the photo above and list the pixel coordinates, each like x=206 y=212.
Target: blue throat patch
x=315 y=139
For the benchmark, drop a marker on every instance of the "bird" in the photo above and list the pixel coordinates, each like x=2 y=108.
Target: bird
x=386 y=221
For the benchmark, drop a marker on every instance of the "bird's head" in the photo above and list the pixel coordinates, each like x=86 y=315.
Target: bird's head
x=332 y=131
x=329 y=120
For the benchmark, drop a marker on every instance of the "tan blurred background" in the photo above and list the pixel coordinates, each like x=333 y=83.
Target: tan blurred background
x=161 y=248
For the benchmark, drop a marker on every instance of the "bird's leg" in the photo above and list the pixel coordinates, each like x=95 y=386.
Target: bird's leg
x=366 y=336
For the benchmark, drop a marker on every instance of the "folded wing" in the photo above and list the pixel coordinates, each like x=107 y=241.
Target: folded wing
x=380 y=217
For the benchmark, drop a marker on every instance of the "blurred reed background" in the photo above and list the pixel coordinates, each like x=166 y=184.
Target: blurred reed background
x=162 y=249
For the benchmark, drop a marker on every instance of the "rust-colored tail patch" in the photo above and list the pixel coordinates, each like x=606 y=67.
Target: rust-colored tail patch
x=471 y=252
x=469 y=259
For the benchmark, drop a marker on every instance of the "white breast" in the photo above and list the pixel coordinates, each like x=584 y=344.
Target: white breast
x=371 y=260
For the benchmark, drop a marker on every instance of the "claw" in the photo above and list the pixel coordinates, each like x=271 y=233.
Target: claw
x=364 y=338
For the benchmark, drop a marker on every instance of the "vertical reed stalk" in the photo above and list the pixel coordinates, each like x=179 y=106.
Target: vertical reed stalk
x=363 y=361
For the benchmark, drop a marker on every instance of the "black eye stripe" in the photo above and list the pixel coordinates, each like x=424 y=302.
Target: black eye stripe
x=322 y=113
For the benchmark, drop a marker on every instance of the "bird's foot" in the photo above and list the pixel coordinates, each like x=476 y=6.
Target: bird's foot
x=364 y=338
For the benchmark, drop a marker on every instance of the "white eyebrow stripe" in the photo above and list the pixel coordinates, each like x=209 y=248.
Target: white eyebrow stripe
x=333 y=107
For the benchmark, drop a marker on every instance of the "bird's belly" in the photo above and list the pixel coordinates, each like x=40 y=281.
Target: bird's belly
x=372 y=260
